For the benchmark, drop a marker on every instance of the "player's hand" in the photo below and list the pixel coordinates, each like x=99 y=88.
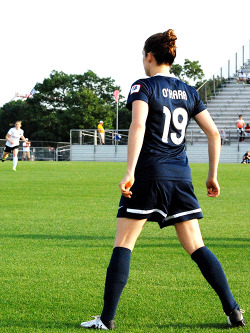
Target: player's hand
x=125 y=185
x=213 y=188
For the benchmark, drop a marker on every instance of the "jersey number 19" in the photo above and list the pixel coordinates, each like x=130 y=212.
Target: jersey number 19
x=179 y=125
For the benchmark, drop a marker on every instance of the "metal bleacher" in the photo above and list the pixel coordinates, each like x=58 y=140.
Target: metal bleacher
x=230 y=101
x=225 y=107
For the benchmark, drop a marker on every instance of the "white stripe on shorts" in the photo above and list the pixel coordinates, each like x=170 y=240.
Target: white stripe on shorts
x=139 y=211
x=183 y=213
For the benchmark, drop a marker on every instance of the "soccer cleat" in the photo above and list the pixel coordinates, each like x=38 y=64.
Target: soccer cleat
x=97 y=324
x=14 y=170
x=236 y=319
x=3 y=159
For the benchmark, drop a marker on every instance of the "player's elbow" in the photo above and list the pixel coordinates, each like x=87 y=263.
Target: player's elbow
x=137 y=126
x=213 y=134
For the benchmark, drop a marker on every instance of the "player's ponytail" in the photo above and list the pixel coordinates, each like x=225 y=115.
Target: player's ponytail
x=162 y=46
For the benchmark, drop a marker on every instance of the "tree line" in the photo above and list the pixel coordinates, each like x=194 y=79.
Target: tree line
x=68 y=101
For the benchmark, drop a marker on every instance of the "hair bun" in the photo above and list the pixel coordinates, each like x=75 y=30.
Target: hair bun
x=169 y=35
x=162 y=46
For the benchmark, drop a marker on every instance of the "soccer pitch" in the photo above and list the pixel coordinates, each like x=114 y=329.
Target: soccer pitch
x=57 y=229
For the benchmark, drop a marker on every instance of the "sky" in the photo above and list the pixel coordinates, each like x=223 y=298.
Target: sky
x=107 y=37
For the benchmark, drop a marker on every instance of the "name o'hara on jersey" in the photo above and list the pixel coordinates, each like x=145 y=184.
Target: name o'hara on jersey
x=174 y=94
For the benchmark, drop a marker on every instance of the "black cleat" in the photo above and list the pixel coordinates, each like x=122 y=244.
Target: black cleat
x=236 y=319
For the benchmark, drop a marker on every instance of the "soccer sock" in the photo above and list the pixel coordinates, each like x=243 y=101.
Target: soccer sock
x=116 y=279
x=213 y=272
x=15 y=159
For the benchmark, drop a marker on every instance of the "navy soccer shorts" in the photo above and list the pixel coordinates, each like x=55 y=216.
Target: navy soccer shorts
x=8 y=149
x=164 y=201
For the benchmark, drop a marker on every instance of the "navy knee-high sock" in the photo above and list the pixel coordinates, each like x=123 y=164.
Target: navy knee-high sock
x=211 y=269
x=116 y=279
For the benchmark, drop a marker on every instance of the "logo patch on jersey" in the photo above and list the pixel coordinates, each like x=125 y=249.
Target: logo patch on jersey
x=135 y=89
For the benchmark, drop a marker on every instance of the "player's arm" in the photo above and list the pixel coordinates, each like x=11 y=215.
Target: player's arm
x=207 y=124
x=135 y=140
x=7 y=137
x=23 y=138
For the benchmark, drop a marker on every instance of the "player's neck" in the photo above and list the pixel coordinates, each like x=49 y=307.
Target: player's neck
x=163 y=69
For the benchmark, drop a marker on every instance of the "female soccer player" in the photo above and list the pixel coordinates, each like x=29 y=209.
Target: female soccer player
x=12 y=144
x=157 y=185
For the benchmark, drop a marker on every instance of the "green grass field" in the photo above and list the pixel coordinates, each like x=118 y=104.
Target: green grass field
x=57 y=227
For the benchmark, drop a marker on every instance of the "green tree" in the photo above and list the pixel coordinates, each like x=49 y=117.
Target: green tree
x=63 y=102
x=191 y=70
x=177 y=70
x=10 y=113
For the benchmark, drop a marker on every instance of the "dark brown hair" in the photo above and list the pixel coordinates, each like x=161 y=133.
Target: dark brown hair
x=162 y=46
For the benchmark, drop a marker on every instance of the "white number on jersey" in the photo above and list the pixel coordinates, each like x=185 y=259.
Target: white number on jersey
x=179 y=125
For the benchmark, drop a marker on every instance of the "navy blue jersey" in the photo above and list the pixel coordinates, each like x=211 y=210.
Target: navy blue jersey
x=171 y=103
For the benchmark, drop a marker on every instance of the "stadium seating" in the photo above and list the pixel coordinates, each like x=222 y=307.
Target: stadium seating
x=232 y=100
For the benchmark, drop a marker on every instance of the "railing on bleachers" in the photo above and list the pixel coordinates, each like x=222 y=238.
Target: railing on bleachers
x=225 y=73
x=90 y=137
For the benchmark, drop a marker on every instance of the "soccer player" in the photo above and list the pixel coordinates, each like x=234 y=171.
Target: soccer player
x=12 y=144
x=157 y=185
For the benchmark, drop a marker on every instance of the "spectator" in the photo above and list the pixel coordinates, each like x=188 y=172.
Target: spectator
x=240 y=123
x=26 y=150
x=247 y=130
x=101 y=132
x=246 y=158
x=223 y=136
x=242 y=77
x=248 y=78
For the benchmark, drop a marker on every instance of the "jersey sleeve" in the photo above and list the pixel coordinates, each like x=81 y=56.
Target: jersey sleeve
x=139 y=91
x=199 y=105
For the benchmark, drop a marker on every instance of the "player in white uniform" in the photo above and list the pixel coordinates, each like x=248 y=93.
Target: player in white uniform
x=12 y=144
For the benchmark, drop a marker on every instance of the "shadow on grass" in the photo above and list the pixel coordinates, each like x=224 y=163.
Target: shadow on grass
x=33 y=325
x=60 y=237
x=224 y=242
x=41 y=325
x=212 y=326
x=66 y=240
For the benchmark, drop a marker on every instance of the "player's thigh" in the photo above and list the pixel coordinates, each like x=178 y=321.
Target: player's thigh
x=15 y=152
x=128 y=230
x=189 y=235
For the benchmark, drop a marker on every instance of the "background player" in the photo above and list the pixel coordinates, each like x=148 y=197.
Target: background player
x=158 y=185
x=12 y=144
